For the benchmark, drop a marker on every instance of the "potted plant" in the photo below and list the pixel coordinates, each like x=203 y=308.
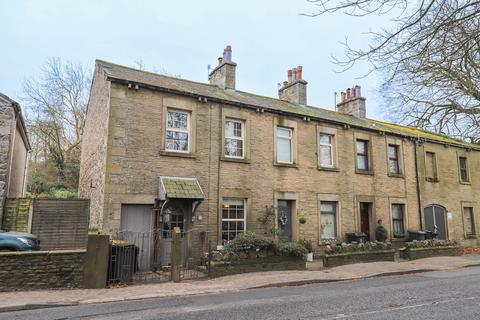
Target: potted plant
x=308 y=245
x=381 y=233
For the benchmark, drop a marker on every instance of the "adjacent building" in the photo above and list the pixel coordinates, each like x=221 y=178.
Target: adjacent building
x=160 y=152
x=14 y=148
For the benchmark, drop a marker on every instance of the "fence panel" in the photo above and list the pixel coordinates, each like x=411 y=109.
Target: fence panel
x=61 y=223
x=16 y=215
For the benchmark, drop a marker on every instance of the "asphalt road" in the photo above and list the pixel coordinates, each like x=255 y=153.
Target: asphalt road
x=434 y=295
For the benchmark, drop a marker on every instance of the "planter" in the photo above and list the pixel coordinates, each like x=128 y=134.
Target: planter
x=256 y=265
x=338 y=259
x=420 y=253
x=309 y=257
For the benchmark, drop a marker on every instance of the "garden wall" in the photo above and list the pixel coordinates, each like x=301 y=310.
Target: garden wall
x=338 y=259
x=420 y=253
x=273 y=263
x=31 y=270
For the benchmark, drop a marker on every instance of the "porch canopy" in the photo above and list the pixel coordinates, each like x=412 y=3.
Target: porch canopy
x=180 y=188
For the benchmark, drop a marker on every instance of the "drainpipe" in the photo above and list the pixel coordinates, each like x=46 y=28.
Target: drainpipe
x=417 y=180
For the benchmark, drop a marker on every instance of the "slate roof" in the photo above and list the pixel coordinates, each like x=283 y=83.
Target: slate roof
x=119 y=73
x=181 y=188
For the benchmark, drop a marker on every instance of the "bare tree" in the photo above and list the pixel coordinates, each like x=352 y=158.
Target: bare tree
x=430 y=60
x=56 y=105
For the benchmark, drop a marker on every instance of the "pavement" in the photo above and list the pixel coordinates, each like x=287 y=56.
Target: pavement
x=25 y=300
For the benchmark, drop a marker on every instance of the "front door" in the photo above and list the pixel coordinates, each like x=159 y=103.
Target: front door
x=174 y=215
x=284 y=220
x=435 y=220
x=136 y=224
x=365 y=214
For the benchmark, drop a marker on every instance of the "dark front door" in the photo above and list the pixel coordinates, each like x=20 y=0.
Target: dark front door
x=284 y=220
x=365 y=209
x=435 y=220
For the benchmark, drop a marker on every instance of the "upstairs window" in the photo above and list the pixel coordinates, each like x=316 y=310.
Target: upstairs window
x=398 y=220
x=326 y=150
x=469 y=222
x=284 y=145
x=178 y=131
x=362 y=155
x=234 y=139
x=393 y=162
x=463 y=163
x=431 y=166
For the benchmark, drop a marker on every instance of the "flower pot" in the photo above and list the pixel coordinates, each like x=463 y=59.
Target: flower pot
x=309 y=257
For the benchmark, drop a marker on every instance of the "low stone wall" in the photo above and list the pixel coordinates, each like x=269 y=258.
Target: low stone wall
x=338 y=259
x=32 y=270
x=256 y=265
x=420 y=253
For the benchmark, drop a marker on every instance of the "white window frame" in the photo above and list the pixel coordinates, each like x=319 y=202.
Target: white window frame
x=330 y=145
x=242 y=138
x=335 y=216
x=365 y=155
x=396 y=159
x=244 y=220
x=403 y=210
x=290 y=130
x=187 y=131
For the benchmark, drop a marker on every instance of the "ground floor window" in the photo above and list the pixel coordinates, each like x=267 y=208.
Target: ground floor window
x=234 y=213
x=469 y=221
x=398 y=215
x=328 y=219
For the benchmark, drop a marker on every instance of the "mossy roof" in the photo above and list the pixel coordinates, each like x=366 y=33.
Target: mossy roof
x=182 y=188
x=246 y=99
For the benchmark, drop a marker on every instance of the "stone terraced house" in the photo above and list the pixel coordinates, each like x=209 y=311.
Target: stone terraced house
x=160 y=152
x=14 y=148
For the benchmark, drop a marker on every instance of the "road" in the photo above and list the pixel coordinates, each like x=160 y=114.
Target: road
x=433 y=295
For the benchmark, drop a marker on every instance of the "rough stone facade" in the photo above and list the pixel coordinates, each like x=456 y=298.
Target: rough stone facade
x=33 y=270
x=136 y=157
x=14 y=147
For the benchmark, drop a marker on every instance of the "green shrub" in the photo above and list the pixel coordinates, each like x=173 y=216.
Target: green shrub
x=291 y=249
x=249 y=241
x=431 y=243
x=381 y=233
x=334 y=247
x=307 y=244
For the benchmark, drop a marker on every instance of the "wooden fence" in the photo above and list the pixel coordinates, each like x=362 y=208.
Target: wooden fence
x=60 y=224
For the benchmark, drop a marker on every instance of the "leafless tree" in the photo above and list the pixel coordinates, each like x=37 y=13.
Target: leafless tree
x=56 y=105
x=430 y=60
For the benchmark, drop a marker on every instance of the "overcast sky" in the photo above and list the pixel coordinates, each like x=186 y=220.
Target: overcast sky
x=183 y=37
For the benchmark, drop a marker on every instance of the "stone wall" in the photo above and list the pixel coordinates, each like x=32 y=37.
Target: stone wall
x=257 y=265
x=31 y=270
x=334 y=260
x=7 y=117
x=94 y=148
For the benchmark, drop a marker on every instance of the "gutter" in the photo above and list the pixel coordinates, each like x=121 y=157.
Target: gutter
x=292 y=114
x=417 y=182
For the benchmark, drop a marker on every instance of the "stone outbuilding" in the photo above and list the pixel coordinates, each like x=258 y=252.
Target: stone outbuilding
x=14 y=149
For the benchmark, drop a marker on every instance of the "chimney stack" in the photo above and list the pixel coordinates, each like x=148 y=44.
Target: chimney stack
x=295 y=88
x=224 y=74
x=352 y=102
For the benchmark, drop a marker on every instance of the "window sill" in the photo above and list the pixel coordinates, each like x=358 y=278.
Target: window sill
x=431 y=179
x=467 y=183
x=286 y=165
x=177 y=154
x=369 y=173
x=238 y=160
x=396 y=175
x=334 y=169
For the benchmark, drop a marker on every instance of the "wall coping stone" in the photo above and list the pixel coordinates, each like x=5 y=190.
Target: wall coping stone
x=39 y=253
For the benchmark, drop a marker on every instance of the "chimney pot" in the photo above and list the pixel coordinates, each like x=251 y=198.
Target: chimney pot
x=228 y=53
x=348 y=94
x=299 y=73
x=343 y=96
x=285 y=83
x=224 y=73
x=220 y=60
x=352 y=102
x=294 y=74
x=295 y=89
x=289 y=73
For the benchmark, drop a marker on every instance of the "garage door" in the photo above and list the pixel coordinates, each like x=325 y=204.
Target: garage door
x=136 y=225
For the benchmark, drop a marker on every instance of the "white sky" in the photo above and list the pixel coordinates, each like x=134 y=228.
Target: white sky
x=183 y=37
